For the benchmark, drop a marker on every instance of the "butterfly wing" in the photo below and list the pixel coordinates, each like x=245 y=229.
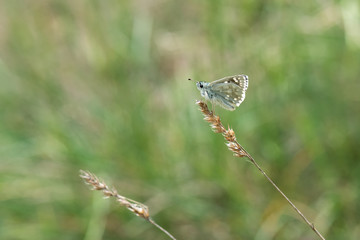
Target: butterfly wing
x=231 y=90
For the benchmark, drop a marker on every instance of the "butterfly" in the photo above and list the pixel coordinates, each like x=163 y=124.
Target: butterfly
x=227 y=92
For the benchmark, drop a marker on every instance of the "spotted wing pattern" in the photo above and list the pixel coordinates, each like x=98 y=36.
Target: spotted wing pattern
x=230 y=90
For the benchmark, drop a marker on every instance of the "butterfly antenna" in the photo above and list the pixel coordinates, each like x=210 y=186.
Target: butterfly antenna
x=189 y=79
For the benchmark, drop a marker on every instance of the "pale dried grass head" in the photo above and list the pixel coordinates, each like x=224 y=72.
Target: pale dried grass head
x=218 y=127
x=97 y=184
x=139 y=209
x=239 y=151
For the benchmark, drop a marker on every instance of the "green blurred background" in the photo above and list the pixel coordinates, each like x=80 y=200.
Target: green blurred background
x=102 y=86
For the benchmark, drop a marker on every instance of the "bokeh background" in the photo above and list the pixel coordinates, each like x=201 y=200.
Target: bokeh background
x=102 y=86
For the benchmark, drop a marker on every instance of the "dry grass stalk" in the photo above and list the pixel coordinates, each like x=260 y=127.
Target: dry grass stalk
x=217 y=127
x=239 y=151
x=139 y=209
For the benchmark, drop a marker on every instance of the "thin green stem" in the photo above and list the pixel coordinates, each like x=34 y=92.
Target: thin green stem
x=162 y=229
x=311 y=225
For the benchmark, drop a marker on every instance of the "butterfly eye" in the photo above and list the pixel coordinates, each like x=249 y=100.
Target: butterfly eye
x=201 y=85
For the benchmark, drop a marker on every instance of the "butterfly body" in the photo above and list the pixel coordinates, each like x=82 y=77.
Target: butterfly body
x=228 y=92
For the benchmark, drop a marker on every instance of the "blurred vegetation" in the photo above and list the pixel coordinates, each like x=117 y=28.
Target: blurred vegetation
x=102 y=86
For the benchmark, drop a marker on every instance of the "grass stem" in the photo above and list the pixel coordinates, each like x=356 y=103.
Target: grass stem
x=138 y=208
x=239 y=151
